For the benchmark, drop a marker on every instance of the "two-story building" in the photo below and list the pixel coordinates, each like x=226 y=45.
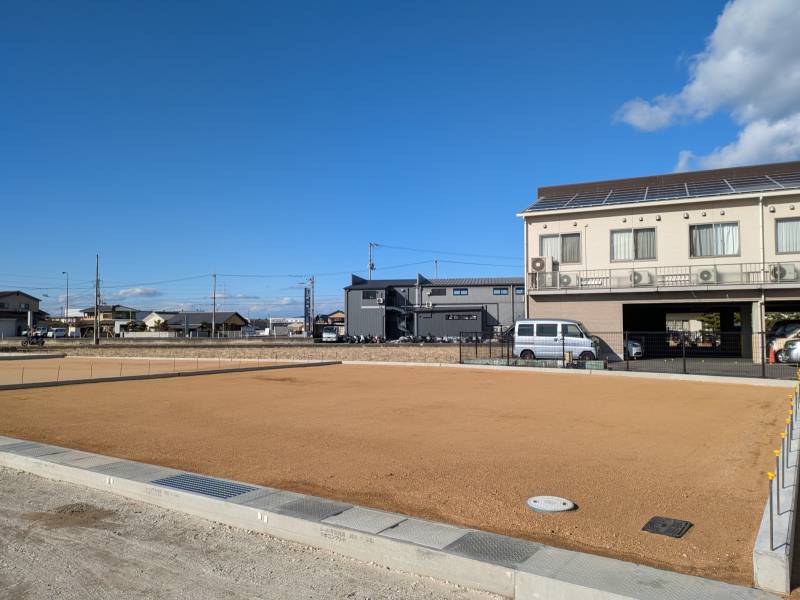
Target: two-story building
x=17 y=311
x=392 y=308
x=635 y=254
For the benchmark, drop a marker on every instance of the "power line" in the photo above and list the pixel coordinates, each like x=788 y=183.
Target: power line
x=438 y=252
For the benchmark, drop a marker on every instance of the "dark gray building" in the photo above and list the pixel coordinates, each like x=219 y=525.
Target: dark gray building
x=437 y=307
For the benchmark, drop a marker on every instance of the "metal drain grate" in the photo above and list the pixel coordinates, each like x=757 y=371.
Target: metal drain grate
x=208 y=486
x=667 y=526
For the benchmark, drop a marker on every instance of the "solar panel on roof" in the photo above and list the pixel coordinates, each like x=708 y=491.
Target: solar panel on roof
x=626 y=195
x=787 y=179
x=708 y=188
x=748 y=184
x=696 y=189
x=662 y=192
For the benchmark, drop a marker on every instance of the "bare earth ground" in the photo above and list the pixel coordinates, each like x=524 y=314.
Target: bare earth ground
x=62 y=369
x=59 y=540
x=463 y=446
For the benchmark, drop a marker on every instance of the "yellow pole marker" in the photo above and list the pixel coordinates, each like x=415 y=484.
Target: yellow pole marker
x=770 y=477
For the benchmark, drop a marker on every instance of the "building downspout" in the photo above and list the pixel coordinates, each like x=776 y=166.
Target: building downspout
x=762 y=303
x=525 y=265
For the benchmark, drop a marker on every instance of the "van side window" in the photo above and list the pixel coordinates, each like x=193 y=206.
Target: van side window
x=570 y=330
x=547 y=330
x=524 y=329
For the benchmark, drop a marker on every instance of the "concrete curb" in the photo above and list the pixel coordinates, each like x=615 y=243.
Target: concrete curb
x=43 y=384
x=719 y=379
x=772 y=564
x=29 y=355
x=476 y=559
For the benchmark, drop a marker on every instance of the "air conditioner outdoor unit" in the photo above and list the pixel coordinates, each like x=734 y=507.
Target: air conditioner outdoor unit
x=782 y=272
x=707 y=275
x=379 y=300
x=429 y=305
x=641 y=278
x=566 y=280
x=542 y=264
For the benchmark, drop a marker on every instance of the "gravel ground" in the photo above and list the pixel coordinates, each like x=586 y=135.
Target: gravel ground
x=59 y=540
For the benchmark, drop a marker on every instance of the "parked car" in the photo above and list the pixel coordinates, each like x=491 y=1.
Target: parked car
x=783 y=329
x=780 y=339
x=633 y=349
x=57 y=332
x=791 y=351
x=330 y=334
x=552 y=338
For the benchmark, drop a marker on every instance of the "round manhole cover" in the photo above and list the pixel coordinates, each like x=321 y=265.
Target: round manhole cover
x=549 y=504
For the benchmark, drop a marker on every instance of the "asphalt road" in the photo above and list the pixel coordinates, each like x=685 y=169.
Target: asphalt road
x=59 y=540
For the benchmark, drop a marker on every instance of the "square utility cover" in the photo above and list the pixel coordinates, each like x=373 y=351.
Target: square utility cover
x=666 y=526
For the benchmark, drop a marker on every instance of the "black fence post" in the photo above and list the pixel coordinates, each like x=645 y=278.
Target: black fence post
x=683 y=350
x=460 y=355
x=626 y=355
x=490 y=347
x=764 y=354
x=563 y=352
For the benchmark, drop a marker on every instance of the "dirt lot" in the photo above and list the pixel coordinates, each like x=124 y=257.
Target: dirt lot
x=464 y=446
x=63 y=369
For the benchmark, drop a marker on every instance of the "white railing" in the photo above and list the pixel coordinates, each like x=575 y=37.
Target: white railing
x=709 y=274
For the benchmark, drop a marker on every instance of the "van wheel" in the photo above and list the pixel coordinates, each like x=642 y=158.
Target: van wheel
x=586 y=356
x=526 y=355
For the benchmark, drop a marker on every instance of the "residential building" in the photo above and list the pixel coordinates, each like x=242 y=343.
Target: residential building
x=630 y=254
x=113 y=319
x=392 y=308
x=198 y=323
x=18 y=310
x=335 y=319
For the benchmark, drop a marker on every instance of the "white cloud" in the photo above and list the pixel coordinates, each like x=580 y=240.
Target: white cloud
x=759 y=141
x=750 y=68
x=137 y=292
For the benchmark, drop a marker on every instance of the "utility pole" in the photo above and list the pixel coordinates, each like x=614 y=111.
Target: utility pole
x=214 y=304
x=313 y=317
x=96 y=299
x=66 y=308
x=436 y=267
x=370 y=265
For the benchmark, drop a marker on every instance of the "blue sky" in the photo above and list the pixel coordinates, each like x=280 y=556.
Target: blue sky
x=180 y=139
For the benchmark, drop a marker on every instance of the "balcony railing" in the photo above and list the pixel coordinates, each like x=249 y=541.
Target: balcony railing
x=700 y=275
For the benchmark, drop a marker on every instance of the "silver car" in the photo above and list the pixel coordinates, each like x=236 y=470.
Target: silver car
x=791 y=351
x=552 y=338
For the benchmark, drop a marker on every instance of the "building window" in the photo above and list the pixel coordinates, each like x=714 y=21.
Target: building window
x=519 y=290
x=438 y=292
x=500 y=291
x=715 y=239
x=3 y=304
x=369 y=295
x=564 y=248
x=787 y=236
x=24 y=306
x=633 y=244
x=461 y=317
x=460 y=291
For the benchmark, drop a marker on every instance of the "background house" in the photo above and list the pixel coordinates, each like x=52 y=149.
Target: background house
x=16 y=308
x=392 y=308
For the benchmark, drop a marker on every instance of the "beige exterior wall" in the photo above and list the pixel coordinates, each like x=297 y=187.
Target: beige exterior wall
x=672 y=230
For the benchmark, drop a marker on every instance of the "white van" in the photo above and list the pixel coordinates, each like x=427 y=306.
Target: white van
x=552 y=338
x=330 y=334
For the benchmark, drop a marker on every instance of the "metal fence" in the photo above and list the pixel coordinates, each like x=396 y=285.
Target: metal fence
x=731 y=354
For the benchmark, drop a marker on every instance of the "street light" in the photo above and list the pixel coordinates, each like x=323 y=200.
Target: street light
x=66 y=307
